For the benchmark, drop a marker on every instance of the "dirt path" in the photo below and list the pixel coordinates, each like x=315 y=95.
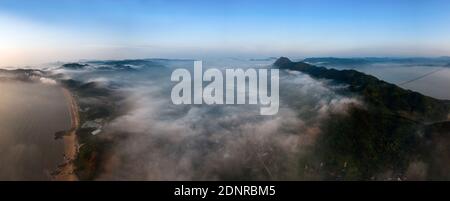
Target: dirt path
x=66 y=170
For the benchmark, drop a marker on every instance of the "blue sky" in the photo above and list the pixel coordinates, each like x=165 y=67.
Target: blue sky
x=51 y=30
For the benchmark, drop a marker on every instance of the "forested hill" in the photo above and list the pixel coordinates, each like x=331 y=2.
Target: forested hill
x=398 y=134
x=378 y=93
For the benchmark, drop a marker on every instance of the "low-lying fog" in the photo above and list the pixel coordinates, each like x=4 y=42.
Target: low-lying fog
x=163 y=141
x=204 y=142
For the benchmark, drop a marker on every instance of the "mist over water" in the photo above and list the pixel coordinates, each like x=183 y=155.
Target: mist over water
x=158 y=140
x=30 y=114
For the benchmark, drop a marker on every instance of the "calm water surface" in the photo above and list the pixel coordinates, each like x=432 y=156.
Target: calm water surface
x=432 y=81
x=30 y=114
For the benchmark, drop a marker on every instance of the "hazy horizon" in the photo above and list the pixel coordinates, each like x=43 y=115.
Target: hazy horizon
x=48 y=31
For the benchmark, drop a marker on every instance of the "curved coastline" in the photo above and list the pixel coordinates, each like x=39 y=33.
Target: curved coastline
x=66 y=171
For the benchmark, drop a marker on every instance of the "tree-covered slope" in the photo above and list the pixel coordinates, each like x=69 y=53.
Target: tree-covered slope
x=398 y=134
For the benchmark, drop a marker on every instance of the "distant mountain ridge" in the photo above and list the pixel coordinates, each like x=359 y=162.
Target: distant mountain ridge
x=74 y=66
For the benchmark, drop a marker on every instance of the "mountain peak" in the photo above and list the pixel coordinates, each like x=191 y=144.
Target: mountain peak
x=285 y=63
x=282 y=61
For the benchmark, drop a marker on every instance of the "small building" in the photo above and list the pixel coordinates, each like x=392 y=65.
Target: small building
x=96 y=132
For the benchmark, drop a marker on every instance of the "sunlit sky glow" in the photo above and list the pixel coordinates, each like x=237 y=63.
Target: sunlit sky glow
x=33 y=32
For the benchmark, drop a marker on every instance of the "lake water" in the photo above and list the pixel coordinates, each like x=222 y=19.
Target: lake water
x=30 y=114
x=432 y=81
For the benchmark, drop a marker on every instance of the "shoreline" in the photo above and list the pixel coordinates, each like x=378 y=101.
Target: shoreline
x=66 y=171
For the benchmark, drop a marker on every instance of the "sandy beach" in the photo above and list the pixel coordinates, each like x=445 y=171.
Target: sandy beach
x=66 y=170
